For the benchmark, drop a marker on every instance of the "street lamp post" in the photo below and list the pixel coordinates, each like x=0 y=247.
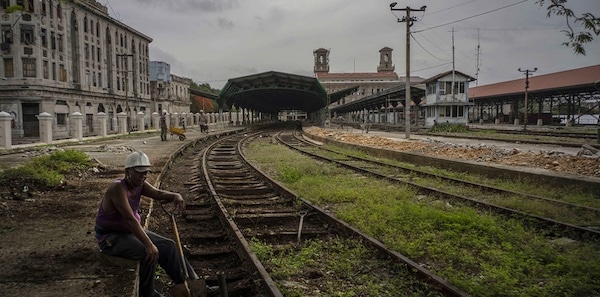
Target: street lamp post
x=526 y=71
x=409 y=22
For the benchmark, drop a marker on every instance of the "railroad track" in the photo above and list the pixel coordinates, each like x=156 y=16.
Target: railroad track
x=586 y=219
x=231 y=202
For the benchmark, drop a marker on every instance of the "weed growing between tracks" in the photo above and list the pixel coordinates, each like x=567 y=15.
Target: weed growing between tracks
x=337 y=267
x=483 y=254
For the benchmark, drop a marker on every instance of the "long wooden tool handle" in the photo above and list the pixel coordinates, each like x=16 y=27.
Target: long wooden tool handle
x=181 y=256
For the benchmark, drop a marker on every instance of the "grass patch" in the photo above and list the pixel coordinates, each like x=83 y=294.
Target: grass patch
x=46 y=171
x=483 y=254
x=336 y=267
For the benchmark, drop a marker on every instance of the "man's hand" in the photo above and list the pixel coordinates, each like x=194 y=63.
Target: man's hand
x=151 y=254
x=179 y=202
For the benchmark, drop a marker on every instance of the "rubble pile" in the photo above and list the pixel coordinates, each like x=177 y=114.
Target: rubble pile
x=585 y=163
x=115 y=148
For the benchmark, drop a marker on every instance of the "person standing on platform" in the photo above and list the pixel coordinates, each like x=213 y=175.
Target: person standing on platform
x=163 y=126
x=203 y=121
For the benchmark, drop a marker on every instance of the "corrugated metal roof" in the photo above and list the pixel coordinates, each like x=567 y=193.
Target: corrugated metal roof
x=438 y=76
x=576 y=78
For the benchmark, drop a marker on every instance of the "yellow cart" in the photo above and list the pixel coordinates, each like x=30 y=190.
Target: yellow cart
x=177 y=131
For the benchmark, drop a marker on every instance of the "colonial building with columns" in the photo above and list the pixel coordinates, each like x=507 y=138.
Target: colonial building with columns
x=67 y=57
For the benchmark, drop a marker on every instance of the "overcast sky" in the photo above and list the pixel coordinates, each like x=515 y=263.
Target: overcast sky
x=215 y=40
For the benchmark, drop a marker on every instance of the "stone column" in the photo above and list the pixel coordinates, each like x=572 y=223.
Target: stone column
x=175 y=119
x=5 y=130
x=540 y=122
x=77 y=125
x=45 y=127
x=102 y=119
x=122 y=123
x=156 y=120
x=140 y=121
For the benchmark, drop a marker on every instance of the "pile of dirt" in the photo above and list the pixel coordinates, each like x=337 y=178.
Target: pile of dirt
x=587 y=163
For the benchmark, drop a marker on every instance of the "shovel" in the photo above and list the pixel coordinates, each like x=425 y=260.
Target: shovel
x=189 y=287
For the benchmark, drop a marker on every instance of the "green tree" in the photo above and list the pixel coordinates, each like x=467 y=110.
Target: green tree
x=577 y=39
x=199 y=102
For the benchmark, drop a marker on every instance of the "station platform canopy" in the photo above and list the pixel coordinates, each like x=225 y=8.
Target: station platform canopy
x=383 y=98
x=272 y=92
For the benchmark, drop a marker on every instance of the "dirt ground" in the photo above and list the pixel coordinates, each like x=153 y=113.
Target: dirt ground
x=47 y=245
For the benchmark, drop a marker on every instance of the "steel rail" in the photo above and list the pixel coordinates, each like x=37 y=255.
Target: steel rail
x=566 y=229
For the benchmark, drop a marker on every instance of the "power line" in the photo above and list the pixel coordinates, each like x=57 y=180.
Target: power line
x=423 y=48
x=473 y=16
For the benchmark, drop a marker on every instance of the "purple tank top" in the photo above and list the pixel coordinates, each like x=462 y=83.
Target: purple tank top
x=115 y=221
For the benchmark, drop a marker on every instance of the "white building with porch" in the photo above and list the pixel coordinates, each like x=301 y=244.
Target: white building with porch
x=447 y=98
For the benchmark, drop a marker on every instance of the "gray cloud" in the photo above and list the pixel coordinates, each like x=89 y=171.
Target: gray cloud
x=213 y=40
x=225 y=23
x=190 y=6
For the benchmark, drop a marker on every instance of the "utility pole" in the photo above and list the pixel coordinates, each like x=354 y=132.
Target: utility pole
x=527 y=72
x=126 y=72
x=597 y=87
x=409 y=22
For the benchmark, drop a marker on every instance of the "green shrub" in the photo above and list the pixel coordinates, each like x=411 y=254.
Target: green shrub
x=46 y=171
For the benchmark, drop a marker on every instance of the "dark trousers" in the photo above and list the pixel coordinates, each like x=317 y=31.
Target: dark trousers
x=126 y=245
x=203 y=128
x=163 y=133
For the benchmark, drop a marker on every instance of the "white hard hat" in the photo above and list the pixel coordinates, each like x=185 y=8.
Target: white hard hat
x=138 y=161
x=201 y=110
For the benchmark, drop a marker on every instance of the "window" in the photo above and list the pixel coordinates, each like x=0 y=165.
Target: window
x=45 y=69
x=89 y=121
x=52 y=40
x=27 y=34
x=59 y=40
x=86 y=51
x=44 y=38
x=9 y=70
x=53 y=71
x=63 y=72
x=4 y=3
x=85 y=24
x=7 y=36
x=27 y=4
x=61 y=119
x=431 y=88
x=29 y=67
